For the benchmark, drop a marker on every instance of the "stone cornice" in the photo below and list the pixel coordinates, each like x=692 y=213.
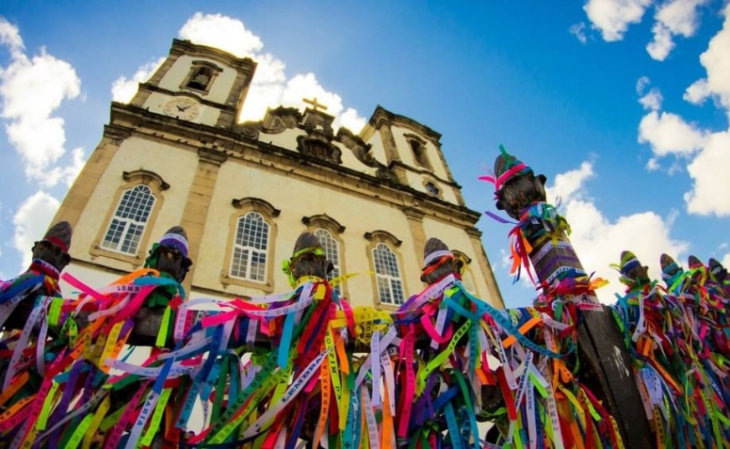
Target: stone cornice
x=212 y=156
x=413 y=214
x=383 y=116
x=424 y=172
x=145 y=174
x=116 y=133
x=184 y=47
x=193 y=136
x=474 y=232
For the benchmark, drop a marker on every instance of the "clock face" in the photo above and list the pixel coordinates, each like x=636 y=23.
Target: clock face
x=182 y=108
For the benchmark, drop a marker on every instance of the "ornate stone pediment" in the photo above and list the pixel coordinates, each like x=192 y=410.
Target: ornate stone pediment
x=280 y=119
x=362 y=152
x=318 y=144
x=318 y=141
x=276 y=121
x=318 y=121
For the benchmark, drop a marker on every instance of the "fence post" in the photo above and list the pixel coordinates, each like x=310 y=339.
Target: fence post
x=541 y=237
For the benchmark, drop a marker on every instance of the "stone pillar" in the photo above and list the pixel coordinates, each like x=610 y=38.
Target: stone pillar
x=196 y=209
x=391 y=153
x=418 y=234
x=227 y=118
x=475 y=235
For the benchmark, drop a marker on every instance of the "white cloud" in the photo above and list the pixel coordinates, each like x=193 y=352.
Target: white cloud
x=123 y=89
x=641 y=84
x=306 y=86
x=598 y=241
x=31 y=89
x=219 y=31
x=676 y=17
x=726 y=260
x=668 y=133
x=680 y=16
x=652 y=165
x=10 y=36
x=613 y=17
x=698 y=92
x=652 y=100
x=708 y=152
x=717 y=63
x=662 y=44
x=31 y=222
x=270 y=86
x=568 y=185
x=352 y=121
x=68 y=173
x=578 y=30
x=709 y=194
x=672 y=18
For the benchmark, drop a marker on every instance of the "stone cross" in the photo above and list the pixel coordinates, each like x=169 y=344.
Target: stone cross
x=314 y=104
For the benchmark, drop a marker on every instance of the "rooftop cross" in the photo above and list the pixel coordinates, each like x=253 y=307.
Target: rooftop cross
x=314 y=104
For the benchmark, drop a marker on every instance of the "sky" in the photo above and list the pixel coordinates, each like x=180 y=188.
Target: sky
x=622 y=104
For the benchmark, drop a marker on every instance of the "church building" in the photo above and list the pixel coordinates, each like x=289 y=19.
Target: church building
x=176 y=155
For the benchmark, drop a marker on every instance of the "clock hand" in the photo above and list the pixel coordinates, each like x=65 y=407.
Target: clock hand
x=183 y=109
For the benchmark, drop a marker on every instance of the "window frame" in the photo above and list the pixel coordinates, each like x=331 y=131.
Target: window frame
x=469 y=273
x=252 y=250
x=439 y=191
x=132 y=179
x=376 y=238
x=194 y=67
x=243 y=207
x=337 y=270
x=129 y=221
x=424 y=161
x=335 y=229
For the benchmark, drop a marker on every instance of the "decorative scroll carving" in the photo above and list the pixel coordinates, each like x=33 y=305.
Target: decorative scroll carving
x=250 y=132
x=280 y=119
x=276 y=121
x=362 y=152
x=317 y=145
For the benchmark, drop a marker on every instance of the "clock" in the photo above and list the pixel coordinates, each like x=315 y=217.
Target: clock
x=182 y=108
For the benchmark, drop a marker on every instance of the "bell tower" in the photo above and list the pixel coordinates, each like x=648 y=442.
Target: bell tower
x=198 y=84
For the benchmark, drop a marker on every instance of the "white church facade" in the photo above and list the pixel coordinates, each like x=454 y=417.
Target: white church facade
x=175 y=155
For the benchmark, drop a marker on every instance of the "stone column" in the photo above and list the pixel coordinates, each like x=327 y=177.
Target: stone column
x=391 y=153
x=196 y=209
x=475 y=235
x=415 y=223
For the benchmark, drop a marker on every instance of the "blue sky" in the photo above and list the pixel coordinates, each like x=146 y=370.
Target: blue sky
x=558 y=83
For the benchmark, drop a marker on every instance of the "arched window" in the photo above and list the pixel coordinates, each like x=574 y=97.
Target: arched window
x=419 y=151
x=329 y=231
x=463 y=263
x=201 y=77
x=387 y=273
x=250 y=248
x=333 y=255
x=129 y=220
